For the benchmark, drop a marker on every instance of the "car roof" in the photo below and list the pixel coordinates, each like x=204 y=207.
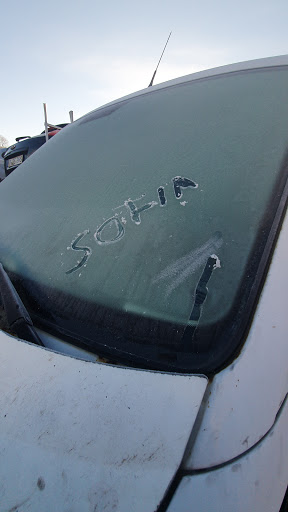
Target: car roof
x=267 y=62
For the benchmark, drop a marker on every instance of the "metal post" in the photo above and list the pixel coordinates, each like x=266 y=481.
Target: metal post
x=45 y=122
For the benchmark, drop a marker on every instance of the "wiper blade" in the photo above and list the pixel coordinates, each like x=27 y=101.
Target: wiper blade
x=18 y=318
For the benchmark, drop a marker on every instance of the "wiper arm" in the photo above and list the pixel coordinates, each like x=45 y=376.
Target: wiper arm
x=18 y=318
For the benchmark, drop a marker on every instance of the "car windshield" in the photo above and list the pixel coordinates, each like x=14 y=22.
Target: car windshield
x=139 y=231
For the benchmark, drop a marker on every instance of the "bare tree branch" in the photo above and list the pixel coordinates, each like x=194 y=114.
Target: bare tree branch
x=3 y=142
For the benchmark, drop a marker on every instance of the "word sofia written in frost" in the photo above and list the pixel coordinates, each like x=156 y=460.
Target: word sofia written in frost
x=135 y=210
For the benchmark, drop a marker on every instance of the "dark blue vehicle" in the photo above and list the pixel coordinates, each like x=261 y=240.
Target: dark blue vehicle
x=24 y=147
x=2 y=172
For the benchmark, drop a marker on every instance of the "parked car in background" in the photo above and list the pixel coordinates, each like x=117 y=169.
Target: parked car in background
x=145 y=365
x=2 y=170
x=24 y=147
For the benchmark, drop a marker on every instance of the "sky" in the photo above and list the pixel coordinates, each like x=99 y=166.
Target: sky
x=78 y=56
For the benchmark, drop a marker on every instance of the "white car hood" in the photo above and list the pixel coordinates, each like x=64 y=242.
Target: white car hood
x=76 y=435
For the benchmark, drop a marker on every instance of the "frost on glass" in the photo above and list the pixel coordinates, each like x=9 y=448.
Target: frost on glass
x=151 y=206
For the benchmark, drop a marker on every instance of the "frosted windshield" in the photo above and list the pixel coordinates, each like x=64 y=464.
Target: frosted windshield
x=141 y=218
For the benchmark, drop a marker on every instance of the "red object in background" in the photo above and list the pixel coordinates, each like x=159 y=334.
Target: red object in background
x=52 y=132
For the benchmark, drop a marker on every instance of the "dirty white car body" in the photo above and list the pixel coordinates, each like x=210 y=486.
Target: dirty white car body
x=79 y=433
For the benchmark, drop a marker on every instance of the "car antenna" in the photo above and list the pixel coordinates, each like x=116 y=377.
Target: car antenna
x=152 y=79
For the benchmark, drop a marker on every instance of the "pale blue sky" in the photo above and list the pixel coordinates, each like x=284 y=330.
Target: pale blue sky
x=80 y=55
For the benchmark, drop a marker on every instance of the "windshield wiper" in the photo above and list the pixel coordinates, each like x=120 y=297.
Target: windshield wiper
x=18 y=318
